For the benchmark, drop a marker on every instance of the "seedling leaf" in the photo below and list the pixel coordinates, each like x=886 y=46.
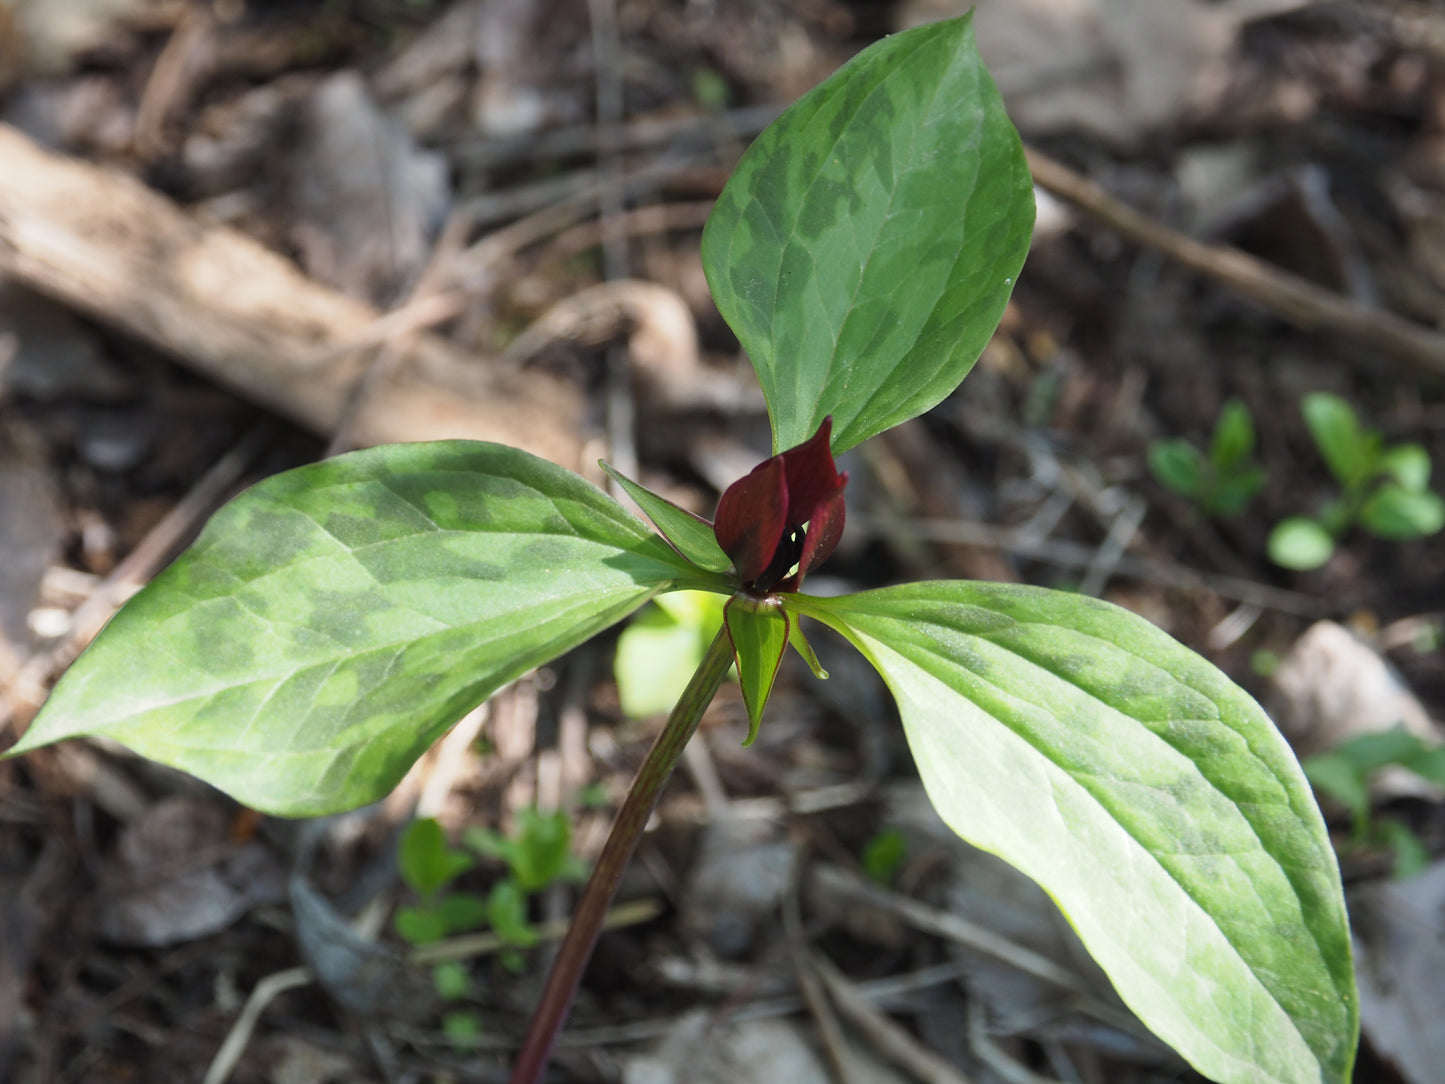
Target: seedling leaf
x=541 y=853
x=1337 y=434
x=461 y=911
x=1300 y=544
x=1409 y=465
x=1233 y=440
x=1335 y=775
x=1152 y=799
x=1177 y=466
x=333 y=621
x=1234 y=491
x=507 y=911
x=427 y=864
x=1392 y=511
x=865 y=246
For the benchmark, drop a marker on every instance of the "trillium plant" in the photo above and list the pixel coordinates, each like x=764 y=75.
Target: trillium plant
x=332 y=622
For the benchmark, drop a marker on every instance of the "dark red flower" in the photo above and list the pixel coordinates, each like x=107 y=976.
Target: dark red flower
x=785 y=517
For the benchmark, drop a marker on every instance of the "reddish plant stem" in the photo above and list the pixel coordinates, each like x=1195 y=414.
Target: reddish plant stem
x=622 y=839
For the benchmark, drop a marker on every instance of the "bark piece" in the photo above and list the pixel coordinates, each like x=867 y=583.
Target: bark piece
x=103 y=243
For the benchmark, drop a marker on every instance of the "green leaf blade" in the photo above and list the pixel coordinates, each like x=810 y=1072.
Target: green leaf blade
x=333 y=621
x=1147 y=794
x=865 y=247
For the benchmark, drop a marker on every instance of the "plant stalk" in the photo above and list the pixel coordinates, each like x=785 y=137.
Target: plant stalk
x=622 y=839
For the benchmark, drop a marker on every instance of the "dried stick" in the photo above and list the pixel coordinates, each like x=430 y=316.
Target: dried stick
x=102 y=242
x=1291 y=298
x=892 y=1041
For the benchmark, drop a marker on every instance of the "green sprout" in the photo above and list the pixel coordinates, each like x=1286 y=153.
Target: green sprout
x=1345 y=774
x=1221 y=483
x=1384 y=490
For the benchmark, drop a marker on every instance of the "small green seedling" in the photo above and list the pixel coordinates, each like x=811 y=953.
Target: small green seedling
x=1221 y=483
x=1385 y=490
x=884 y=855
x=428 y=866
x=1345 y=773
x=537 y=855
x=334 y=621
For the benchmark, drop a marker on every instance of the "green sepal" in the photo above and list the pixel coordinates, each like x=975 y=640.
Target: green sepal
x=805 y=649
x=689 y=534
x=758 y=629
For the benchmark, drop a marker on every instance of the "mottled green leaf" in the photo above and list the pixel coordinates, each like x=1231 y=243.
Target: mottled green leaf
x=758 y=629
x=333 y=621
x=1149 y=795
x=689 y=534
x=865 y=247
x=1300 y=544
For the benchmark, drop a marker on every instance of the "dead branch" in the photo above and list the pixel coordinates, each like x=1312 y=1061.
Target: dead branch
x=102 y=242
x=1291 y=298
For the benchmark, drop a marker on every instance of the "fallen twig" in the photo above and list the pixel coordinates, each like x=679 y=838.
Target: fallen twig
x=892 y=1041
x=1291 y=298
x=103 y=243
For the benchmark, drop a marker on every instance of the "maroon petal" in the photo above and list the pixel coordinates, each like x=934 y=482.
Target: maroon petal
x=751 y=516
x=823 y=532
x=812 y=475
